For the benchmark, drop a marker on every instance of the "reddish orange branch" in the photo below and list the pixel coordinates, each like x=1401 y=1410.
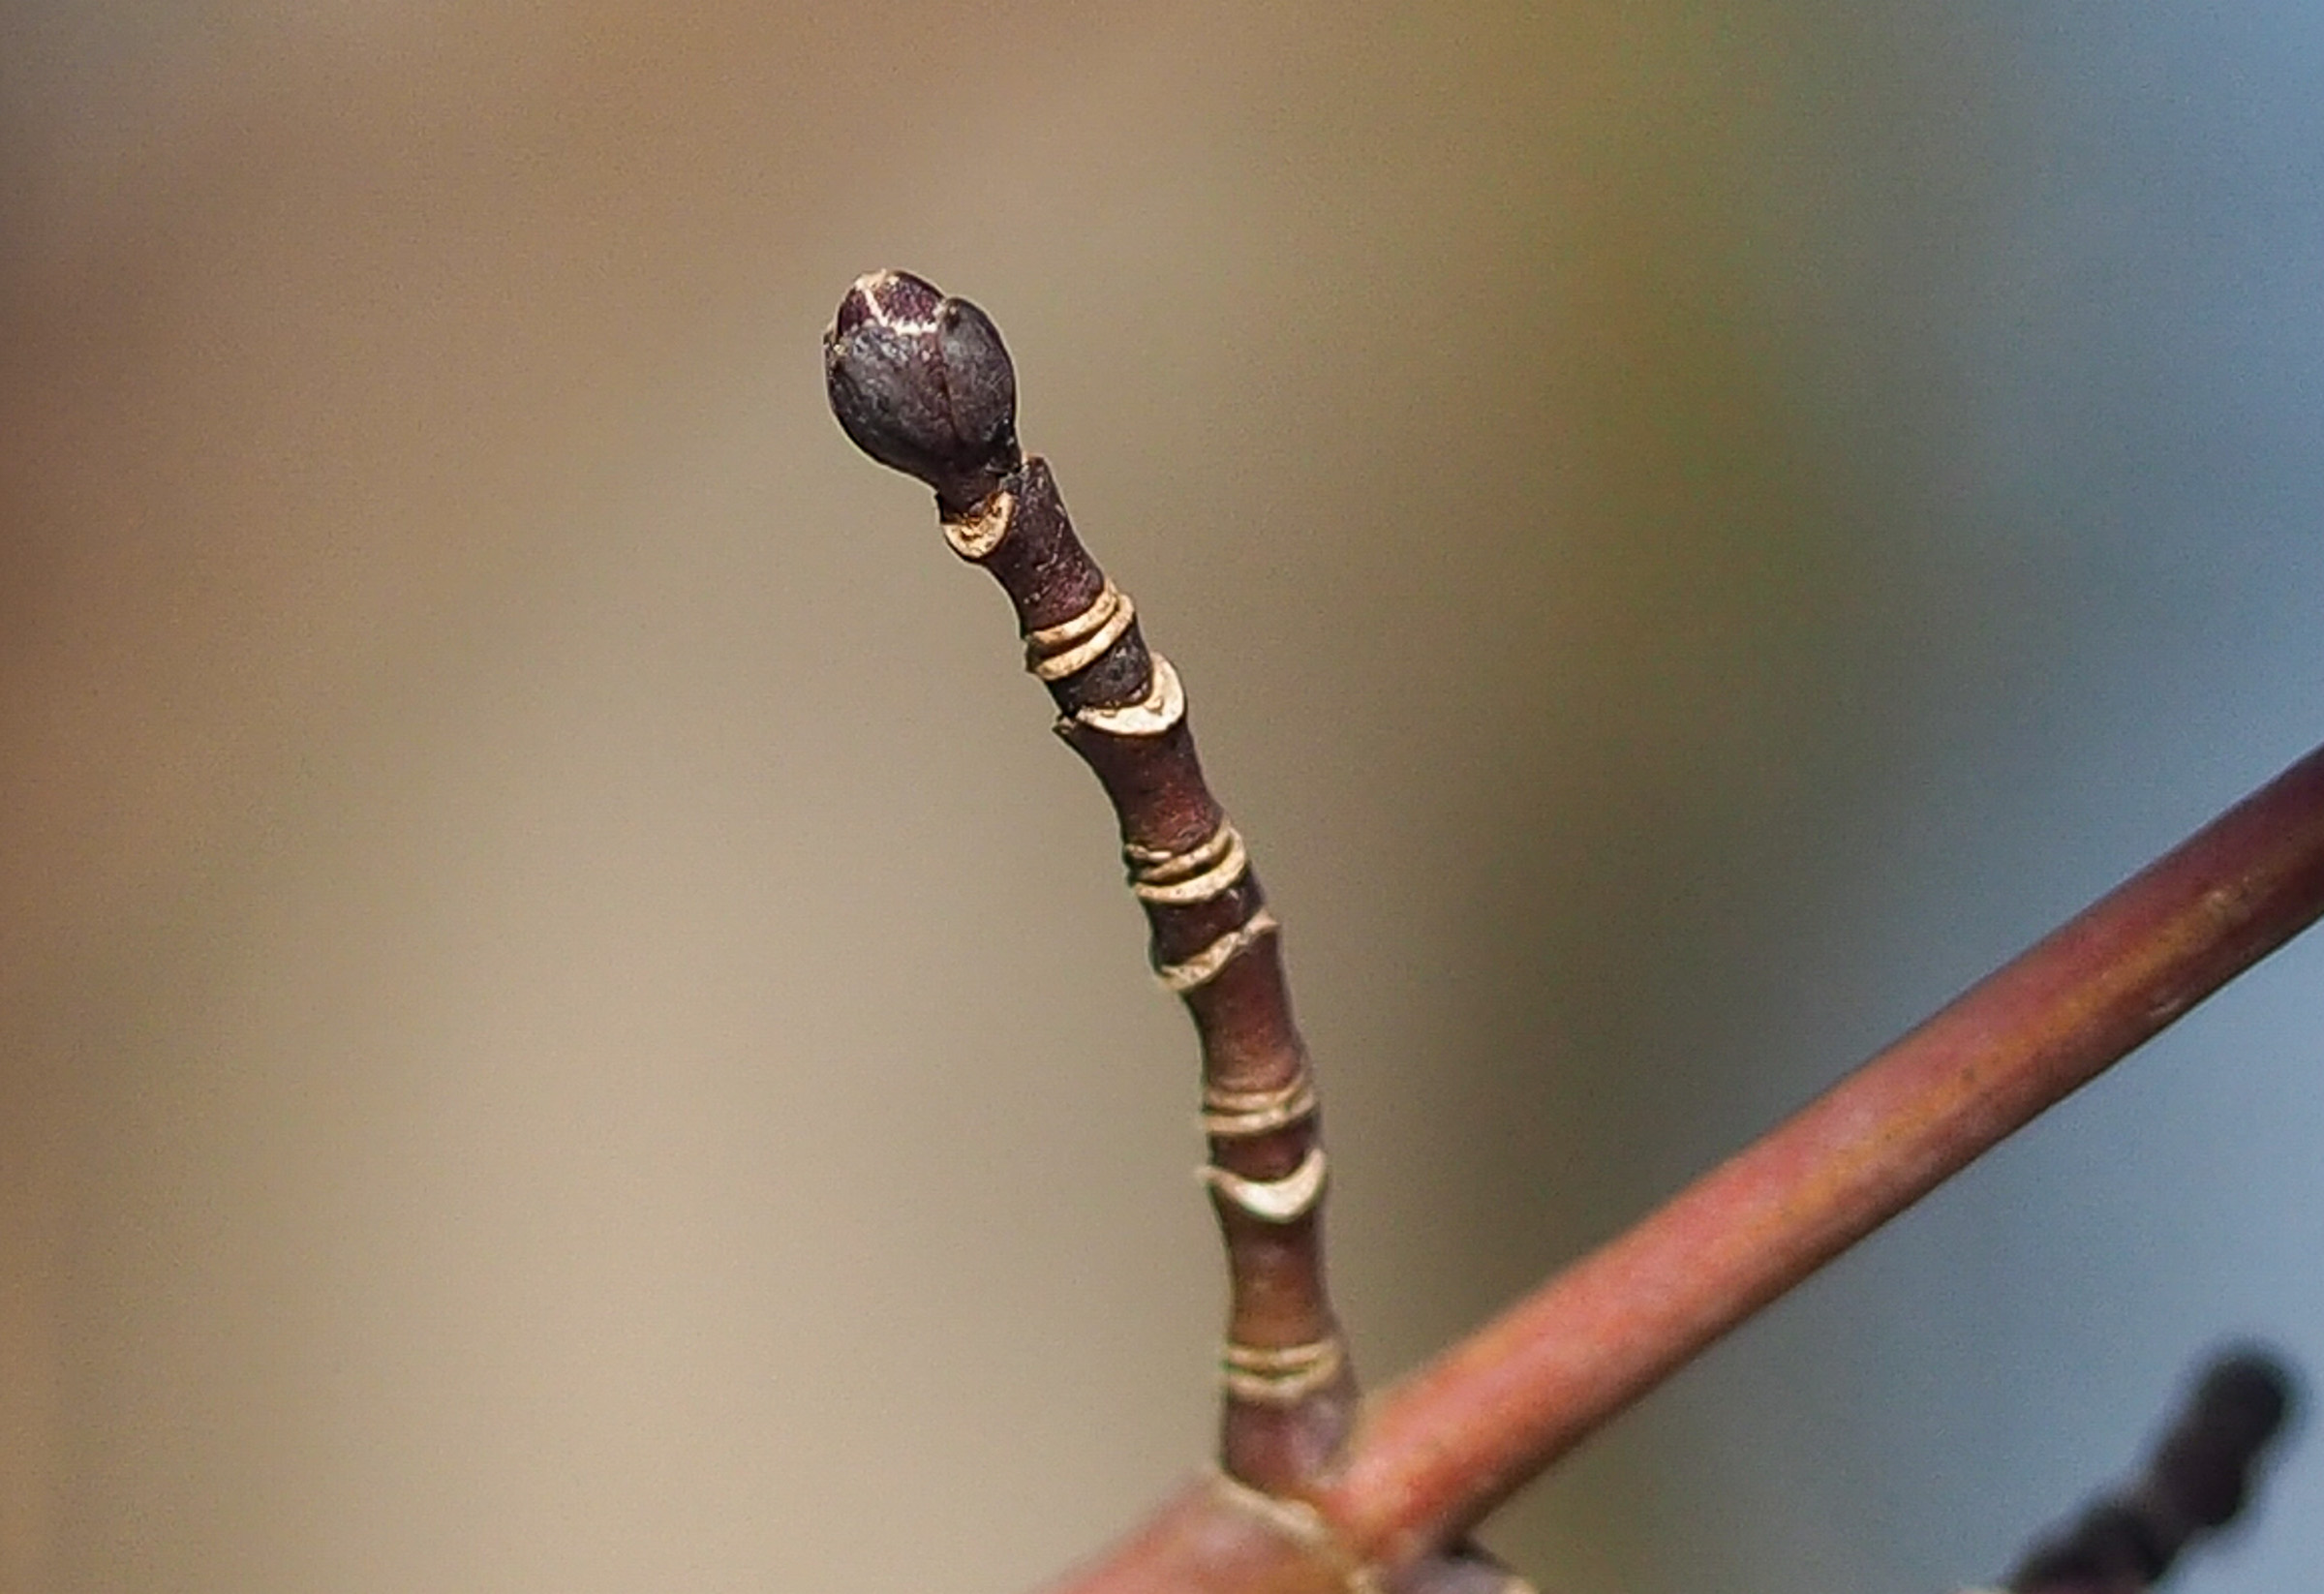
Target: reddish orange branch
x=1452 y=1442
x=1447 y=1445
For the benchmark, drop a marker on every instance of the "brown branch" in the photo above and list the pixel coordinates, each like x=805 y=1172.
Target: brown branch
x=921 y=383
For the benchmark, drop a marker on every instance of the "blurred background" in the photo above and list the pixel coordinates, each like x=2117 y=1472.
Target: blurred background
x=564 y=1026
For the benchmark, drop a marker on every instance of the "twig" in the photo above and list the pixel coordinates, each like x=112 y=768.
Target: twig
x=1450 y=1443
x=1457 y=1438
x=922 y=384
x=2196 y=1483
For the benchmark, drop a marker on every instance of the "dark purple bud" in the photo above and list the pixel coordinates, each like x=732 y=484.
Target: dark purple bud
x=922 y=384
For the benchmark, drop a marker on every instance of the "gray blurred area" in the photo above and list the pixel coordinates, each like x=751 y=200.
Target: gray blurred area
x=564 y=1026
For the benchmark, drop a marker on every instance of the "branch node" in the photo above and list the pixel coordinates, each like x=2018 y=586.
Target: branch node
x=1284 y=1200
x=1240 y=1115
x=1206 y=965
x=1282 y=1375
x=1183 y=879
x=1163 y=706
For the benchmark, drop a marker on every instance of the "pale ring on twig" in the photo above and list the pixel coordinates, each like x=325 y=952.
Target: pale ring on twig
x=979 y=532
x=1283 y=1200
x=1163 y=706
x=1055 y=652
x=1180 y=879
x=1279 y=1376
x=1237 y=1115
x=1205 y=966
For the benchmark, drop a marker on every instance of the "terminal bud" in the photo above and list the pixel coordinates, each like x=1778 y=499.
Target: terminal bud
x=922 y=384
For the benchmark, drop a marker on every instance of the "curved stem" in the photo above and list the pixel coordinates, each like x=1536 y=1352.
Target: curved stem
x=922 y=382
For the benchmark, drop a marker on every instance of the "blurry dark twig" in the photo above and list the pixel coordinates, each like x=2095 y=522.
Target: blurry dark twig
x=2197 y=1480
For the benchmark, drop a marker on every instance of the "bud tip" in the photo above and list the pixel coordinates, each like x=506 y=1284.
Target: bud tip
x=922 y=382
